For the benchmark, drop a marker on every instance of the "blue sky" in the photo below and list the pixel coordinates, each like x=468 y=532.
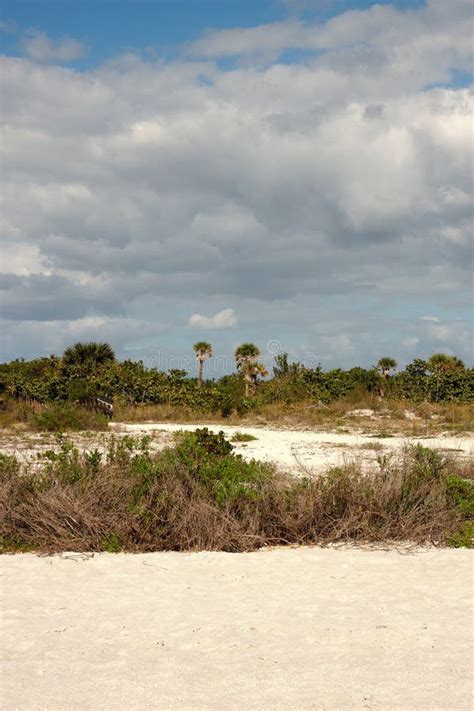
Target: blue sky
x=296 y=172
x=110 y=27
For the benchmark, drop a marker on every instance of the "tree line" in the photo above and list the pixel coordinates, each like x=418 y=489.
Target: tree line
x=86 y=370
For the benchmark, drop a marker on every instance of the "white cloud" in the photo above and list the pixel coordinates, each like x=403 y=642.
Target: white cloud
x=260 y=39
x=429 y=34
x=41 y=48
x=21 y=258
x=300 y=192
x=435 y=319
x=223 y=319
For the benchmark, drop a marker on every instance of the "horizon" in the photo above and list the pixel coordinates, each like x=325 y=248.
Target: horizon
x=179 y=171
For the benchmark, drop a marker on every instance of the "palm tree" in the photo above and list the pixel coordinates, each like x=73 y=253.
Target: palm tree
x=246 y=361
x=385 y=365
x=257 y=370
x=90 y=354
x=203 y=351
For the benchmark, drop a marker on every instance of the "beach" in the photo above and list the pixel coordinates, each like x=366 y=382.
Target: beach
x=285 y=628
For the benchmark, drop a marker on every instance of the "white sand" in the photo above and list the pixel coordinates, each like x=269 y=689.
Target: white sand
x=313 y=449
x=277 y=629
x=295 y=449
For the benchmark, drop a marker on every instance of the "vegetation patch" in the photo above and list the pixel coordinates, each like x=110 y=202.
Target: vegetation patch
x=441 y=387
x=242 y=437
x=200 y=494
x=61 y=417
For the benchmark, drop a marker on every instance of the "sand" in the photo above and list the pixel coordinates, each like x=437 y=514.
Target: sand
x=299 y=449
x=292 y=629
x=290 y=449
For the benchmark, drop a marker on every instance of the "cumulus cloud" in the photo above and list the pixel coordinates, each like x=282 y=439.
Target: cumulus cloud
x=224 y=319
x=322 y=197
x=41 y=48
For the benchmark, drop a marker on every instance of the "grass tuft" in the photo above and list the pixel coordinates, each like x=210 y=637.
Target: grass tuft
x=242 y=437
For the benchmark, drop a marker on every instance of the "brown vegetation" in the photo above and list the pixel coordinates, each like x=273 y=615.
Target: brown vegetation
x=393 y=416
x=199 y=495
x=388 y=416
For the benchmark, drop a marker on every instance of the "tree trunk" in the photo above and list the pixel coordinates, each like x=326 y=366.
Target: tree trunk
x=200 y=367
x=248 y=384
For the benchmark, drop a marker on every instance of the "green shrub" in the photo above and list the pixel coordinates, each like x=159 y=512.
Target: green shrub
x=9 y=465
x=248 y=405
x=208 y=441
x=464 y=538
x=242 y=437
x=82 y=390
x=61 y=417
x=226 y=407
x=65 y=464
x=110 y=543
x=210 y=459
x=461 y=493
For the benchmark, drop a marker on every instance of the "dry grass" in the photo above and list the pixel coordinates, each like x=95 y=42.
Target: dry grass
x=18 y=412
x=389 y=416
x=189 y=498
x=50 y=417
x=161 y=413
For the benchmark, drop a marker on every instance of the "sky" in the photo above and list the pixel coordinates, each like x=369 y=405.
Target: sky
x=295 y=173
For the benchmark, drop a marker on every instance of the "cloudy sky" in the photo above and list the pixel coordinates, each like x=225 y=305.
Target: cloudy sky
x=297 y=173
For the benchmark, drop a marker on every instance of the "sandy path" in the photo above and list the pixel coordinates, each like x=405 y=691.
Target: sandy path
x=290 y=448
x=277 y=629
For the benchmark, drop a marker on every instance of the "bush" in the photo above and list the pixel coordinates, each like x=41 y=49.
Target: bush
x=60 y=417
x=200 y=495
x=210 y=461
x=242 y=437
x=204 y=439
x=9 y=465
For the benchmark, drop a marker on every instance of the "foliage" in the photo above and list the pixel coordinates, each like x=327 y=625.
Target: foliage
x=211 y=459
x=88 y=355
x=246 y=361
x=110 y=543
x=209 y=442
x=385 y=365
x=9 y=465
x=88 y=370
x=242 y=437
x=464 y=538
x=63 y=416
x=442 y=363
x=203 y=351
x=201 y=495
x=245 y=353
